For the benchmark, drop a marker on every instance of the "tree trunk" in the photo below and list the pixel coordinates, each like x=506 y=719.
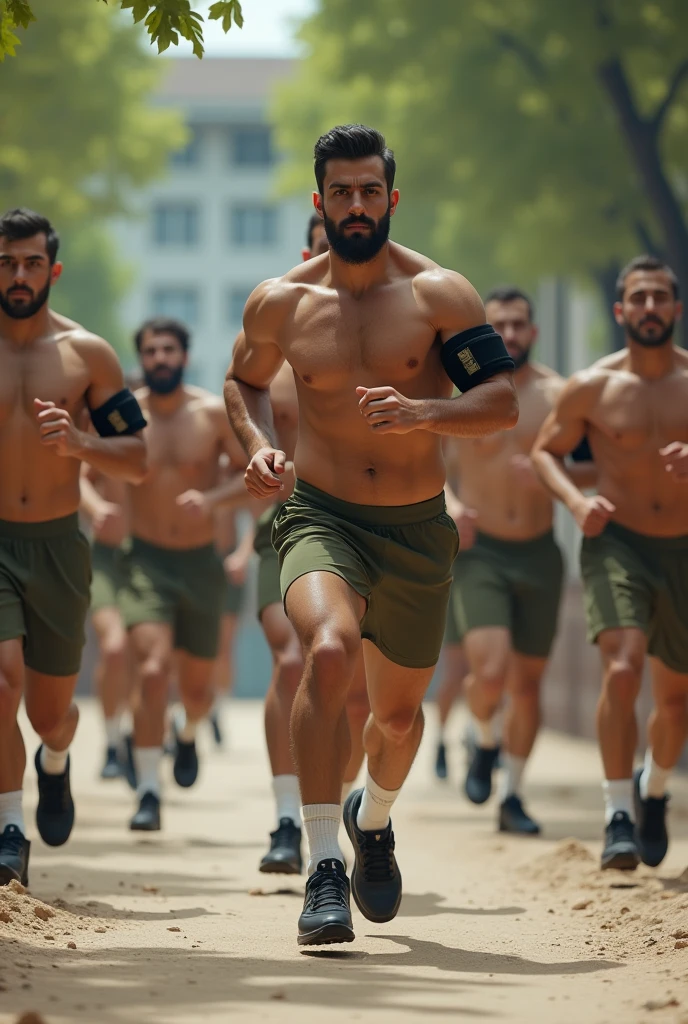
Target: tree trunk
x=606 y=282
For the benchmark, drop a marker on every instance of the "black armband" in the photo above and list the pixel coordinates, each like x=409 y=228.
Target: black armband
x=582 y=452
x=474 y=355
x=119 y=416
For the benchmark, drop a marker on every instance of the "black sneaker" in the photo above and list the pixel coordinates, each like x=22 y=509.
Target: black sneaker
x=513 y=818
x=112 y=769
x=147 y=818
x=620 y=848
x=216 y=728
x=326 y=915
x=375 y=879
x=478 y=783
x=185 y=768
x=55 y=811
x=441 y=761
x=128 y=763
x=14 y=856
x=284 y=855
x=651 y=830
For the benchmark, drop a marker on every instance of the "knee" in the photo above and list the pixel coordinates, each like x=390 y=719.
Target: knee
x=333 y=656
x=673 y=709
x=397 y=725
x=114 y=651
x=491 y=678
x=357 y=710
x=154 y=678
x=525 y=691
x=10 y=696
x=46 y=720
x=622 y=681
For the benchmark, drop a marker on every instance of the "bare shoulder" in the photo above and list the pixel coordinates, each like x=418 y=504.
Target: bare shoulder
x=444 y=294
x=547 y=382
x=681 y=356
x=98 y=354
x=582 y=389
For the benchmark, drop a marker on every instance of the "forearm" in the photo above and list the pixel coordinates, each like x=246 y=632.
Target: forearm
x=554 y=475
x=123 y=458
x=485 y=409
x=250 y=415
x=230 y=494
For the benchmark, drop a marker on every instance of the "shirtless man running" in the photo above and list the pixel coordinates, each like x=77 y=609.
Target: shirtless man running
x=51 y=371
x=364 y=542
x=634 y=559
x=508 y=576
x=175 y=590
x=284 y=855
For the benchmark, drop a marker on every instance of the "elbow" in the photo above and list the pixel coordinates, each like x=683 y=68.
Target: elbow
x=137 y=470
x=509 y=406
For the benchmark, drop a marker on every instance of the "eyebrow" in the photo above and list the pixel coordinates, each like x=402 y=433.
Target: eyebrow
x=346 y=184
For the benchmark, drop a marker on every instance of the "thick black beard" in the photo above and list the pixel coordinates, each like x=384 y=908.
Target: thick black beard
x=29 y=309
x=661 y=339
x=357 y=248
x=163 y=385
x=522 y=359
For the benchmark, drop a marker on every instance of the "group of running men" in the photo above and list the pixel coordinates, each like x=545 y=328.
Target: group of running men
x=357 y=533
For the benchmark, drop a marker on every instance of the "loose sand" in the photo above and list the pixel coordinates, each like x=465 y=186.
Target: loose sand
x=181 y=928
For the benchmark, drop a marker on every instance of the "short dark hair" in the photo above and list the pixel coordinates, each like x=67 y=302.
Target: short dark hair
x=645 y=262
x=315 y=221
x=21 y=223
x=352 y=142
x=510 y=293
x=164 y=325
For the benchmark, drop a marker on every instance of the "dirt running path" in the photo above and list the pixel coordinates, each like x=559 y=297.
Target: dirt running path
x=182 y=929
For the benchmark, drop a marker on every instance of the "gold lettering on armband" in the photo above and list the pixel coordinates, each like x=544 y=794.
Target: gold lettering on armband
x=117 y=421
x=468 y=360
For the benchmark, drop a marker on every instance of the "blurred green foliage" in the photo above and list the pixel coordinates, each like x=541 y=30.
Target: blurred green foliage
x=506 y=120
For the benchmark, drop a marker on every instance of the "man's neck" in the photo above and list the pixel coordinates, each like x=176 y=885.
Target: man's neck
x=24 y=332
x=650 y=363
x=166 y=405
x=359 y=278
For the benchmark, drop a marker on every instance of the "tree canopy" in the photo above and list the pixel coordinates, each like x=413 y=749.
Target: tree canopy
x=532 y=137
x=166 y=21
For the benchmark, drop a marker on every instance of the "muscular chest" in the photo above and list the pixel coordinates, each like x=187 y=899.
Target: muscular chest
x=645 y=415
x=183 y=441
x=50 y=371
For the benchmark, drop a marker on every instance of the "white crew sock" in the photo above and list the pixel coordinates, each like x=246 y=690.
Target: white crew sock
x=346 y=789
x=321 y=822
x=485 y=733
x=618 y=796
x=113 y=732
x=54 y=762
x=287 y=797
x=184 y=727
x=11 y=812
x=147 y=761
x=510 y=782
x=376 y=803
x=126 y=722
x=653 y=779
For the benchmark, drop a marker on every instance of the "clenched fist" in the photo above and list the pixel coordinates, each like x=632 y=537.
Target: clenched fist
x=57 y=429
x=264 y=471
x=593 y=514
x=388 y=412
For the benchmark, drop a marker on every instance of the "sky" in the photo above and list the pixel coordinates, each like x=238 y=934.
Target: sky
x=268 y=30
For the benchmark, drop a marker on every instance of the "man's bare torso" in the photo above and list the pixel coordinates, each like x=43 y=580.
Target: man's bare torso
x=335 y=342
x=37 y=484
x=629 y=419
x=511 y=503
x=183 y=454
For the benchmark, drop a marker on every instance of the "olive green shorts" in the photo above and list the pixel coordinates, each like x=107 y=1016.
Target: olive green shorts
x=45 y=579
x=397 y=557
x=109 y=575
x=233 y=598
x=183 y=588
x=515 y=584
x=632 y=580
x=268 y=565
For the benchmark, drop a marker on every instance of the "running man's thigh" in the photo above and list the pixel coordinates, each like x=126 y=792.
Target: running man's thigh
x=488 y=651
x=108 y=625
x=278 y=630
x=393 y=690
x=194 y=673
x=525 y=672
x=152 y=642
x=619 y=592
x=480 y=595
x=668 y=686
x=535 y=603
x=47 y=698
x=323 y=603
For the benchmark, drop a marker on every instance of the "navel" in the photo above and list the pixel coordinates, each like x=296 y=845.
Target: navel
x=371 y=472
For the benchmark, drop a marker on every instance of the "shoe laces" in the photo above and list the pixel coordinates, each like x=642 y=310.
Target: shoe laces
x=377 y=854
x=12 y=841
x=326 y=890
x=285 y=833
x=620 y=828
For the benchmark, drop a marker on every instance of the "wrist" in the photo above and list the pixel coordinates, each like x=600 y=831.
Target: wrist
x=82 y=445
x=424 y=409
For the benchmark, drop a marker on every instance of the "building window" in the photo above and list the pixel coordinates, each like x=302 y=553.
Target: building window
x=253 y=225
x=251 y=146
x=180 y=302
x=188 y=156
x=236 y=300
x=175 y=224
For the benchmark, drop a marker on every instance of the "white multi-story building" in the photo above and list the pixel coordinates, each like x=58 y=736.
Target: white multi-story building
x=207 y=233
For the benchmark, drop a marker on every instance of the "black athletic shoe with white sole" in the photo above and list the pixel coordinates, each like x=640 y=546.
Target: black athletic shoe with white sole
x=112 y=769
x=326 y=914
x=284 y=855
x=478 y=783
x=185 y=767
x=441 y=761
x=375 y=879
x=514 y=818
x=620 y=847
x=14 y=856
x=650 y=825
x=55 y=810
x=147 y=817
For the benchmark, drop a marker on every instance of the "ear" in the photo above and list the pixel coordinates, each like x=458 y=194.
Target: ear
x=55 y=272
x=535 y=332
x=679 y=310
x=393 y=200
x=318 y=203
x=618 y=313
x=306 y=254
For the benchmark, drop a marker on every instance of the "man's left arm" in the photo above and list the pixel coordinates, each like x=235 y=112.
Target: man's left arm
x=474 y=358
x=118 y=450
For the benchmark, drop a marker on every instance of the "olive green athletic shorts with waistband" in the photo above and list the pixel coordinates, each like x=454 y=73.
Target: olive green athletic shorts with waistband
x=45 y=579
x=397 y=557
x=515 y=584
x=268 y=565
x=184 y=588
x=633 y=580
x=109 y=575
